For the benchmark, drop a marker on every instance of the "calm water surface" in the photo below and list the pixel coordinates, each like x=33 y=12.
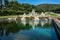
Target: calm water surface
x=27 y=30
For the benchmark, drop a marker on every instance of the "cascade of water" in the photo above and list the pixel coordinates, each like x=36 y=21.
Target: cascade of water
x=34 y=14
x=23 y=17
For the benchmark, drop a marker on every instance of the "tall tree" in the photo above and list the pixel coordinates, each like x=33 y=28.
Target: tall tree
x=13 y=5
x=0 y=4
x=6 y=3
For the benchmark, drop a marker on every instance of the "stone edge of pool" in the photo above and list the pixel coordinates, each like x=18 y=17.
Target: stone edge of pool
x=57 y=27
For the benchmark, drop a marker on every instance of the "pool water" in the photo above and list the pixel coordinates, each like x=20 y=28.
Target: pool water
x=27 y=30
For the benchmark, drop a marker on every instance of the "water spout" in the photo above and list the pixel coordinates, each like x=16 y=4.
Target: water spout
x=23 y=17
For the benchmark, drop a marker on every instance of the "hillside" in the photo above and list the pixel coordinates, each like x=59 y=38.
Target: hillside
x=15 y=8
x=49 y=7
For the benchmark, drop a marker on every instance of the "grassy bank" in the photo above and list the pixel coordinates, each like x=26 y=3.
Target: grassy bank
x=48 y=15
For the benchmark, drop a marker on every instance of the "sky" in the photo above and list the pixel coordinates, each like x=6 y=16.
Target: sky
x=37 y=2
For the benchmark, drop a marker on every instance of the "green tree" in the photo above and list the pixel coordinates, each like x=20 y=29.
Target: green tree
x=6 y=3
x=0 y=4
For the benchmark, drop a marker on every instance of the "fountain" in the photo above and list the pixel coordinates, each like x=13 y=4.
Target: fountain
x=12 y=19
x=43 y=14
x=36 y=17
x=34 y=14
x=23 y=20
x=23 y=17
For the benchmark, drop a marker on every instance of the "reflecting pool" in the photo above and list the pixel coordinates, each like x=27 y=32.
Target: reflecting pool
x=27 y=30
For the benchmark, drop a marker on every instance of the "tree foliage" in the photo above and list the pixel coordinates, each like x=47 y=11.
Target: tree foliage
x=15 y=8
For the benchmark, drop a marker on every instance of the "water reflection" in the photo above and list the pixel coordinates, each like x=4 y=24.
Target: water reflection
x=27 y=30
x=23 y=22
x=33 y=23
x=43 y=22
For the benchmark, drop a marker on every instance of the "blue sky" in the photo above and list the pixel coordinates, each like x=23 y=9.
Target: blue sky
x=37 y=2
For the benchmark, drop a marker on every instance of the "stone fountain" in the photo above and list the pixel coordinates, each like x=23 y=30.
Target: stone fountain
x=23 y=17
x=23 y=20
x=12 y=19
x=42 y=14
x=34 y=14
x=36 y=17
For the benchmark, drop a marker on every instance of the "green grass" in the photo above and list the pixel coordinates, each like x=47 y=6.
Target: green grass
x=9 y=16
x=51 y=15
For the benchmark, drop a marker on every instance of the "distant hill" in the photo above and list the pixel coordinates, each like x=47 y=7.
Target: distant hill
x=48 y=7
